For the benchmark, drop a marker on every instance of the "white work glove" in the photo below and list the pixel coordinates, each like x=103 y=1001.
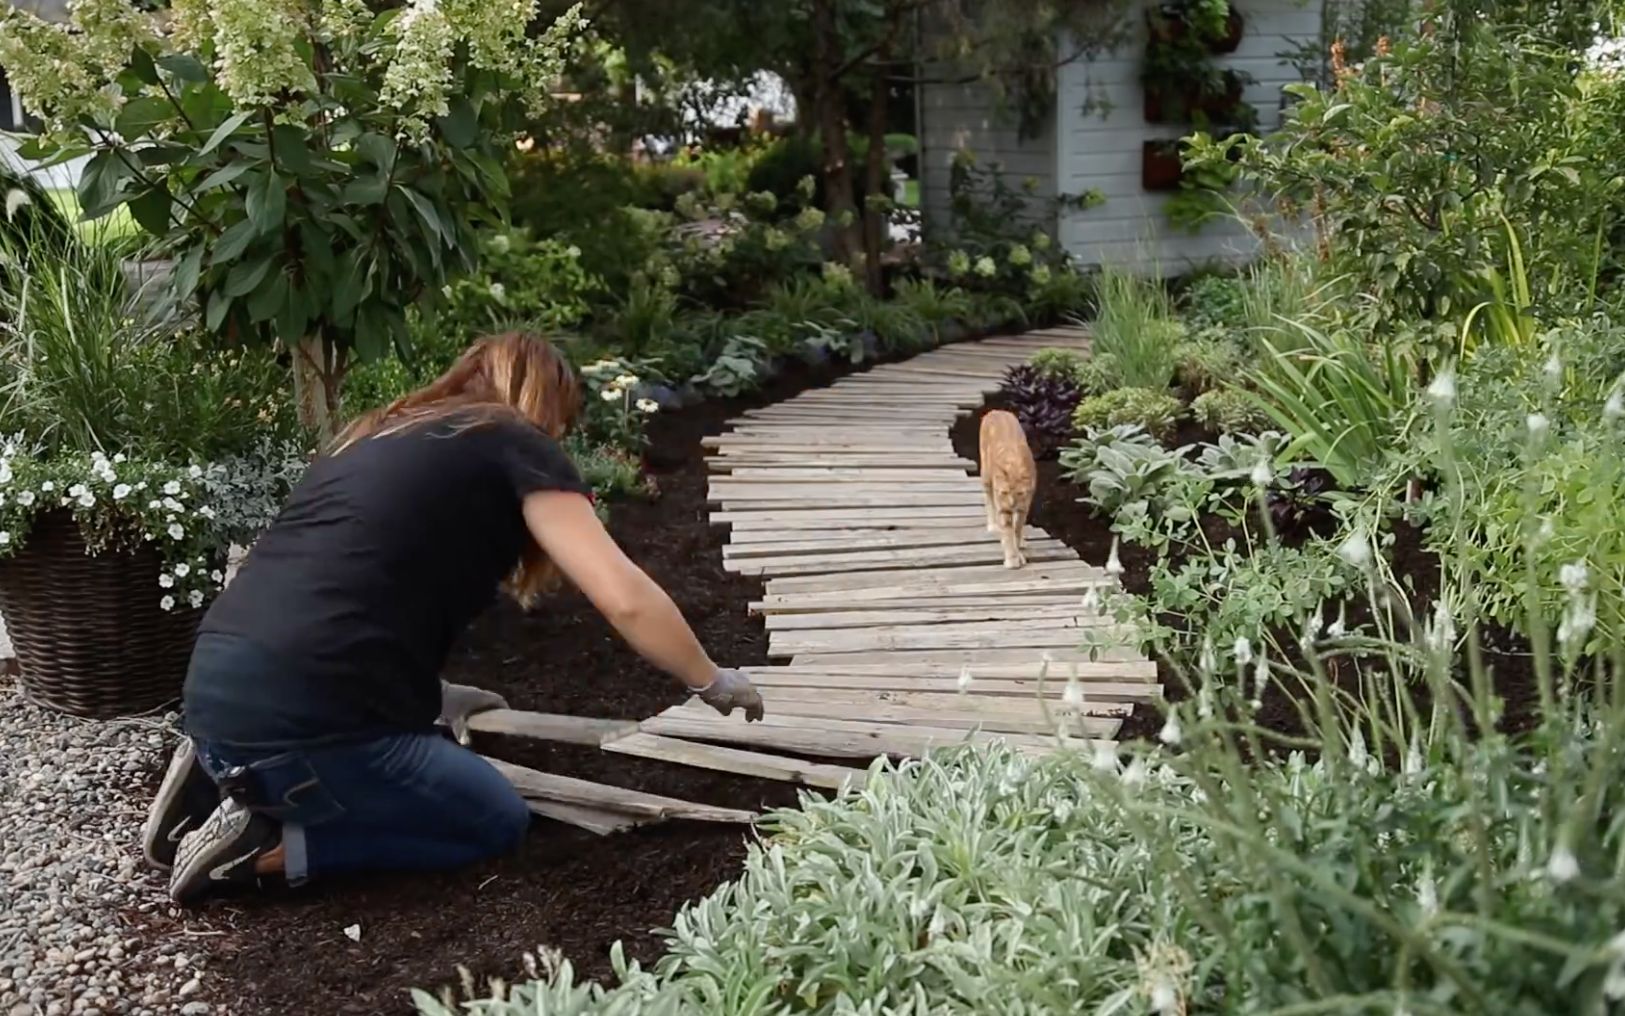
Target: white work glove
x=460 y=701
x=730 y=690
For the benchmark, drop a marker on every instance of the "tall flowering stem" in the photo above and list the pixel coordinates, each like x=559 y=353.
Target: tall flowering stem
x=313 y=167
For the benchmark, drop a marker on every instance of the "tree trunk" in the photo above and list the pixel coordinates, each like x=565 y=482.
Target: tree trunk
x=317 y=375
x=876 y=210
x=839 y=201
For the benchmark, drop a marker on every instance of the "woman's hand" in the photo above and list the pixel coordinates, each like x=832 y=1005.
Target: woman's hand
x=460 y=701
x=730 y=690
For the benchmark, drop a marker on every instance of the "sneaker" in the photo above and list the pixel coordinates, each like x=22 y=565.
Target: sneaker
x=221 y=853
x=184 y=800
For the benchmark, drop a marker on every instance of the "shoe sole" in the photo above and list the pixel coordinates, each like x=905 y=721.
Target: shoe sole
x=168 y=817
x=216 y=844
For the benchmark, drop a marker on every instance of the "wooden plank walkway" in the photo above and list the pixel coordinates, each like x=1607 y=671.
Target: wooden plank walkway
x=886 y=601
x=885 y=596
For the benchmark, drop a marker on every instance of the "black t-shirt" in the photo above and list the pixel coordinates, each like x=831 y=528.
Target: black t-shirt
x=341 y=617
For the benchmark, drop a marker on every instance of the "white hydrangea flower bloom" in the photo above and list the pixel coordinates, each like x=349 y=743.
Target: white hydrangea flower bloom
x=420 y=72
x=257 y=58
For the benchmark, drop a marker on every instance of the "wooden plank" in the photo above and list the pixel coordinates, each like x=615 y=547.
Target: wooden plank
x=1093 y=689
x=828 y=737
x=880 y=596
x=866 y=516
x=803 y=461
x=1006 y=704
x=549 y=726
x=1070 y=621
x=860 y=539
x=594 y=820
x=845 y=475
x=568 y=790
x=993 y=610
x=833 y=500
x=869 y=640
x=735 y=760
x=1031 y=720
x=994 y=576
x=1115 y=670
x=829 y=563
x=965 y=657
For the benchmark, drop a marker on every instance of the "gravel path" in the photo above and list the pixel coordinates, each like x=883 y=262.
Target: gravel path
x=85 y=927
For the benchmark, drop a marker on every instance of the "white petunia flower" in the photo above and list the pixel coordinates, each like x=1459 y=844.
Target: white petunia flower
x=170 y=504
x=195 y=472
x=1573 y=576
x=1171 y=732
x=1427 y=895
x=182 y=570
x=166 y=580
x=172 y=488
x=217 y=576
x=77 y=490
x=195 y=598
x=1443 y=389
x=1243 y=651
x=121 y=491
x=5 y=538
x=1072 y=696
x=206 y=512
x=167 y=603
x=87 y=499
x=1563 y=866
x=47 y=487
x=1355 y=550
x=498 y=292
x=5 y=471
x=176 y=531
x=155 y=504
x=118 y=458
x=25 y=498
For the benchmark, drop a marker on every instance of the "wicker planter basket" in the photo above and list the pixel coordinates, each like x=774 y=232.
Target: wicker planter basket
x=89 y=634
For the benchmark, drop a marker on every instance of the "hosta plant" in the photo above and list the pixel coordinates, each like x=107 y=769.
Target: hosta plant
x=1229 y=411
x=1155 y=410
x=314 y=168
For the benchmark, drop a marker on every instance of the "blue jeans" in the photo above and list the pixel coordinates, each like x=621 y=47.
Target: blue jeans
x=406 y=802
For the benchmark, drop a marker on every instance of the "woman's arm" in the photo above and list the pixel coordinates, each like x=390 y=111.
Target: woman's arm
x=564 y=526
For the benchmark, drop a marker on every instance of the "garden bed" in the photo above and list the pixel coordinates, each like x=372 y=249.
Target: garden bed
x=1056 y=510
x=286 y=952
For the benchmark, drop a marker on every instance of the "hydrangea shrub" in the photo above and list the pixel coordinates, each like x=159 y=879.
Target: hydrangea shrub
x=315 y=167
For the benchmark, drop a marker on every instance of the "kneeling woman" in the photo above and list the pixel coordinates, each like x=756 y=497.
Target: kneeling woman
x=313 y=695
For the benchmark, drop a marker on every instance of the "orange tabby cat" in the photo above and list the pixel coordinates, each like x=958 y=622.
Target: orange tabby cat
x=1009 y=477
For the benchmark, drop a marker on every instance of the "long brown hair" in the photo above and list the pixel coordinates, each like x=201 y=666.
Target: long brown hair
x=512 y=375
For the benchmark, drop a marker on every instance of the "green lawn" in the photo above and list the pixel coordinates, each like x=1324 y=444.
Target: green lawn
x=117 y=225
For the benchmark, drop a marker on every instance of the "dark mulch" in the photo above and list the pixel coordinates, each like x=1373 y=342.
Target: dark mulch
x=285 y=952
x=1056 y=510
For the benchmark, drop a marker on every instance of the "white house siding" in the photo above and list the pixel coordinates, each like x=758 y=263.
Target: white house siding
x=955 y=118
x=1103 y=152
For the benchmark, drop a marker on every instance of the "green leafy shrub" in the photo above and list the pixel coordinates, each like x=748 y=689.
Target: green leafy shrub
x=1229 y=410
x=1206 y=362
x=737 y=369
x=541 y=284
x=1156 y=411
x=1126 y=471
x=1083 y=454
x=937 y=306
x=1057 y=364
x=1097 y=374
x=1214 y=301
x=612 y=472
